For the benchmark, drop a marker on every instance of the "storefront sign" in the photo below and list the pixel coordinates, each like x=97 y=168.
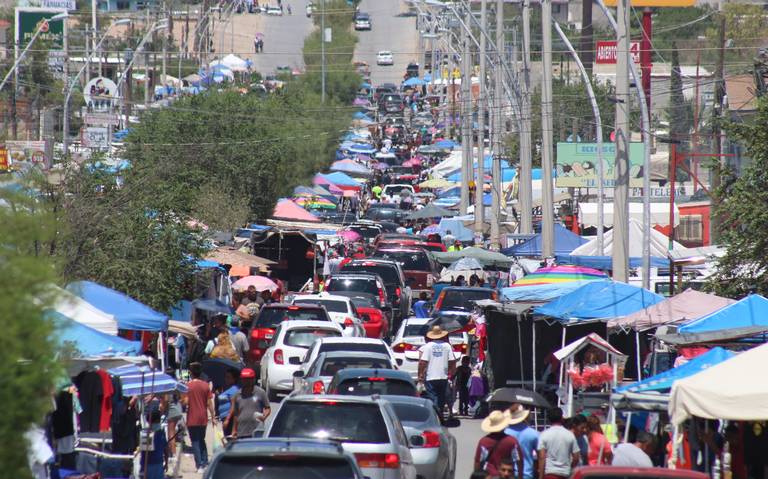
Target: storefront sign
x=101 y=119
x=22 y=154
x=100 y=94
x=28 y=19
x=96 y=137
x=605 y=52
x=59 y=4
x=577 y=165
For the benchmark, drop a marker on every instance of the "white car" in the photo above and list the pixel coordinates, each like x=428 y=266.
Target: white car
x=341 y=309
x=331 y=344
x=277 y=11
x=385 y=58
x=410 y=337
x=289 y=346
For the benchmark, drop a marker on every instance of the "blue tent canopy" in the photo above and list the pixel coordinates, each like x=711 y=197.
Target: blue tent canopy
x=339 y=178
x=446 y=144
x=141 y=380
x=427 y=77
x=89 y=342
x=540 y=292
x=565 y=242
x=599 y=300
x=413 y=81
x=606 y=262
x=359 y=115
x=129 y=313
x=663 y=381
x=750 y=311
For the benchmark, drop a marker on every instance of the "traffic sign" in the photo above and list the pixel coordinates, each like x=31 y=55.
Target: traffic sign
x=606 y=52
x=654 y=3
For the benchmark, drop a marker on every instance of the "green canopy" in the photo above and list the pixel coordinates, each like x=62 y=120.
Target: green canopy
x=431 y=211
x=485 y=257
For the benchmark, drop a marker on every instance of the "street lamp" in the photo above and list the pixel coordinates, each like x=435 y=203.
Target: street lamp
x=70 y=89
x=44 y=23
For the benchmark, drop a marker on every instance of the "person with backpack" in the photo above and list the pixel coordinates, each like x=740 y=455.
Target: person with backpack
x=221 y=346
x=496 y=446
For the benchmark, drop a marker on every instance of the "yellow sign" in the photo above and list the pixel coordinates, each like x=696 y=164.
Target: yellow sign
x=654 y=3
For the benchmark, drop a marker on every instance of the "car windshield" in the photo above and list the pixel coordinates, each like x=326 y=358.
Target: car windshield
x=395 y=189
x=337 y=420
x=375 y=385
x=332 y=306
x=411 y=260
x=280 y=467
x=272 y=317
x=366 y=231
x=333 y=365
x=366 y=301
x=412 y=414
x=462 y=299
x=370 y=347
x=388 y=272
x=304 y=337
x=363 y=285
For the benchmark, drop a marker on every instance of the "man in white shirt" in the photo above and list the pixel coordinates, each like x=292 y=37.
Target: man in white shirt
x=558 y=450
x=436 y=366
x=637 y=454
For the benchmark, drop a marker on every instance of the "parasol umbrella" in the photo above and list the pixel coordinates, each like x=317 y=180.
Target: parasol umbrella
x=314 y=202
x=412 y=162
x=431 y=211
x=349 y=236
x=520 y=396
x=212 y=306
x=380 y=166
x=465 y=264
x=261 y=283
x=431 y=230
x=560 y=274
x=216 y=368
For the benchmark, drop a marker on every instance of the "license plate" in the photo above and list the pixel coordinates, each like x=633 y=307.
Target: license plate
x=268 y=336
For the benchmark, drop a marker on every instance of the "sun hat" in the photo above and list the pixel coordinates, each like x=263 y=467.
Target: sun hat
x=518 y=415
x=496 y=421
x=437 y=333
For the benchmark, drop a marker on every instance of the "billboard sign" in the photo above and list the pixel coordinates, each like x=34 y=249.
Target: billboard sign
x=59 y=4
x=96 y=137
x=23 y=154
x=577 y=165
x=28 y=19
x=100 y=94
x=605 y=52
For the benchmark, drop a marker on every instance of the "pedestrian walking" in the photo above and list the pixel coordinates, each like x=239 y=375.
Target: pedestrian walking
x=436 y=366
x=558 y=450
x=461 y=385
x=250 y=406
x=526 y=436
x=199 y=405
x=496 y=446
x=637 y=454
x=600 y=452
x=578 y=426
x=224 y=399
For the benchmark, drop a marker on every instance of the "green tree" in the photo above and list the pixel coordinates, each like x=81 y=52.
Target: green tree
x=740 y=208
x=679 y=111
x=745 y=26
x=27 y=358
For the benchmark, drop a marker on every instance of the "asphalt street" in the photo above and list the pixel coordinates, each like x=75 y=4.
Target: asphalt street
x=394 y=29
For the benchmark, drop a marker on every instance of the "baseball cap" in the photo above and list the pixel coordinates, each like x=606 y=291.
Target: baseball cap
x=247 y=373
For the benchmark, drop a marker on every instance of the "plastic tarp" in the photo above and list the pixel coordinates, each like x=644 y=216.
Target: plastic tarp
x=83 y=312
x=659 y=213
x=732 y=390
x=652 y=394
x=540 y=293
x=88 y=342
x=337 y=178
x=686 y=306
x=457 y=229
x=743 y=318
x=288 y=210
x=599 y=300
x=235 y=63
x=606 y=262
x=659 y=243
x=141 y=380
x=129 y=313
x=565 y=242
x=485 y=257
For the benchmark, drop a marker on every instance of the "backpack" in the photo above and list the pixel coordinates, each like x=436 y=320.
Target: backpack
x=224 y=349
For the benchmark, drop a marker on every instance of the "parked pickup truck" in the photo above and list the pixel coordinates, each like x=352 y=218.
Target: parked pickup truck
x=420 y=268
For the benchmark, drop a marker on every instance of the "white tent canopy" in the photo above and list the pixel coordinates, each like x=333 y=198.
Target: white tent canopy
x=659 y=243
x=659 y=213
x=84 y=312
x=452 y=162
x=733 y=390
x=234 y=63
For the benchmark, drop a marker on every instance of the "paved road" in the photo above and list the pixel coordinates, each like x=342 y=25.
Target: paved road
x=467 y=436
x=394 y=28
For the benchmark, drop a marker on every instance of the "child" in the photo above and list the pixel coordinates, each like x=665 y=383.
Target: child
x=155 y=459
x=461 y=385
x=421 y=307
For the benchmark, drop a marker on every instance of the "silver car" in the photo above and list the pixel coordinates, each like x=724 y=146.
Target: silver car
x=366 y=427
x=433 y=447
x=322 y=370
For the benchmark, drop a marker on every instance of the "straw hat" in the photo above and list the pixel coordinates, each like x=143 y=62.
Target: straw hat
x=437 y=333
x=496 y=421
x=518 y=415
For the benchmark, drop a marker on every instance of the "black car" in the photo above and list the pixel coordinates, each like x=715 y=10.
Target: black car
x=391 y=103
x=360 y=282
x=394 y=281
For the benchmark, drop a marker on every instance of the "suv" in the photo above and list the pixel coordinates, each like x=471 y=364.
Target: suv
x=394 y=282
x=269 y=318
x=391 y=103
x=420 y=268
x=366 y=382
x=366 y=427
x=359 y=282
x=278 y=458
x=362 y=21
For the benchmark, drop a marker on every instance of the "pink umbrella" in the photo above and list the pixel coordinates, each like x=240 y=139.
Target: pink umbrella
x=349 y=236
x=261 y=283
x=412 y=162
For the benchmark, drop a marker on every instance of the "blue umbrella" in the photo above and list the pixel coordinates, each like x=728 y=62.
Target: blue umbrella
x=446 y=144
x=427 y=78
x=413 y=81
x=366 y=86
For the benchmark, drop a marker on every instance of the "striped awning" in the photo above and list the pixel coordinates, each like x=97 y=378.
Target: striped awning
x=140 y=380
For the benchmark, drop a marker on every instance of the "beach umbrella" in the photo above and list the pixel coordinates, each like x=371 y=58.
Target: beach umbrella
x=212 y=306
x=436 y=183
x=412 y=162
x=431 y=211
x=561 y=274
x=446 y=144
x=519 y=396
x=315 y=202
x=349 y=236
x=430 y=230
x=261 y=283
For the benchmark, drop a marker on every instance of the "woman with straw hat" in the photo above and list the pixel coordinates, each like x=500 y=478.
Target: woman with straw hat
x=495 y=445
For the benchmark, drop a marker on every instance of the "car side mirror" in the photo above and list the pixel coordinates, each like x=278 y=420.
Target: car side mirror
x=417 y=440
x=298 y=374
x=295 y=360
x=451 y=422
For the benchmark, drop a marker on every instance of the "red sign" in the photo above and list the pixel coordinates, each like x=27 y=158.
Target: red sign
x=606 y=52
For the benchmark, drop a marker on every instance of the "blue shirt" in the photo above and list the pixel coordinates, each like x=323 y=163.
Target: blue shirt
x=157 y=455
x=225 y=400
x=420 y=309
x=528 y=439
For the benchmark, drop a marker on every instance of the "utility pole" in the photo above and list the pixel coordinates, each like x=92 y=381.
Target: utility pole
x=94 y=32
x=322 y=50
x=547 y=211
x=165 y=45
x=716 y=126
x=620 y=263
x=66 y=80
x=466 y=118
x=525 y=186
x=497 y=128
x=481 y=99
x=586 y=36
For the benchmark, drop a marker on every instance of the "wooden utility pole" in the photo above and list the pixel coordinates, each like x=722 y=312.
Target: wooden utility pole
x=717 y=132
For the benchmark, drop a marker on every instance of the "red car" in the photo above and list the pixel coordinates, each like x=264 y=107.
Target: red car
x=270 y=316
x=420 y=268
x=367 y=305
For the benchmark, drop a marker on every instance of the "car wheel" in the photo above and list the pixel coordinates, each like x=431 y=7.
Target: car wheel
x=271 y=395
